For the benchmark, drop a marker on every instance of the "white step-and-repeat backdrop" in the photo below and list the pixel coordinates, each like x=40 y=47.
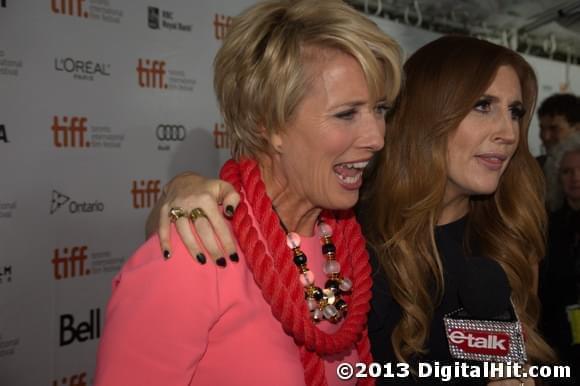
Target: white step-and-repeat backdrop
x=101 y=102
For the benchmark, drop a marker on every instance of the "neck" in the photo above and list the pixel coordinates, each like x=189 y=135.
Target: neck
x=574 y=204
x=295 y=211
x=454 y=207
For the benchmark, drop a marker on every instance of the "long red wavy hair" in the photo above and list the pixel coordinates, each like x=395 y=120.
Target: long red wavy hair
x=444 y=79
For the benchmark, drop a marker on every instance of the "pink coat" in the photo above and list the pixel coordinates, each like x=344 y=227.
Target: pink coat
x=176 y=322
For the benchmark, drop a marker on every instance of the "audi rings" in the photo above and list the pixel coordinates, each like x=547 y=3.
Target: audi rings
x=176 y=213
x=170 y=132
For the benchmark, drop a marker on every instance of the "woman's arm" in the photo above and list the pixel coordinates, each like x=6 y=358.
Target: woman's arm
x=158 y=319
x=211 y=236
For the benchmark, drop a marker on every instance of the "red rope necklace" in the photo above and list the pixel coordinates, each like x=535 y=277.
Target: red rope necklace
x=281 y=287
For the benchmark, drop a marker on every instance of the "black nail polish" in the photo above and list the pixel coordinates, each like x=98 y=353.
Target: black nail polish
x=229 y=211
x=201 y=258
x=166 y=254
x=234 y=257
x=221 y=262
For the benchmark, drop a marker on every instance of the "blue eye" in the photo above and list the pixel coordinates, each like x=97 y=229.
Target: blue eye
x=382 y=109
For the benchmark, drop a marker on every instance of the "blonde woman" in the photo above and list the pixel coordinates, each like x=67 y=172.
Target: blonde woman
x=303 y=87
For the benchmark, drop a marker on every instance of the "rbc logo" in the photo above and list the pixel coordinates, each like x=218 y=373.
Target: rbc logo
x=71 y=331
x=5 y=274
x=153 y=17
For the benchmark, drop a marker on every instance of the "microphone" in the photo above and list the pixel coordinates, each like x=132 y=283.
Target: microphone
x=486 y=328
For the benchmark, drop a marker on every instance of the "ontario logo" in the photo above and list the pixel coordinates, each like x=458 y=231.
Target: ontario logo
x=480 y=342
x=58 y=200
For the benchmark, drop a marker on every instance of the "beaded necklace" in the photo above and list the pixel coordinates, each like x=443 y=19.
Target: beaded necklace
x=279 y=285
x=324 y=303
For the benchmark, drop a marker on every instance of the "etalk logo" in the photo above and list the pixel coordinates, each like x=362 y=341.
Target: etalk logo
x=481 y=342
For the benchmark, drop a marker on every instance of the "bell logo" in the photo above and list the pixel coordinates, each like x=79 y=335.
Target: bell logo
x=88 y=330
x=220 y=136
x=73 y=380
x=69 y=7
x=69 y=263
x=151 y=73
x=481 y=342
x=145 y=193
x=69 y=133
x=221 y=24
x=3 y=135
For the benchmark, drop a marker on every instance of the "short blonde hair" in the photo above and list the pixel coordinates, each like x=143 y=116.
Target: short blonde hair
x=259 y=75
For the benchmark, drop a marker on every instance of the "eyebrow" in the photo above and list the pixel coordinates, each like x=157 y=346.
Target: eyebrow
x=356 y=104
x=493 y=98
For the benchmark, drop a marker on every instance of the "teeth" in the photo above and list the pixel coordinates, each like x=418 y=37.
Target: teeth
x=350 y=180
x=356 y=165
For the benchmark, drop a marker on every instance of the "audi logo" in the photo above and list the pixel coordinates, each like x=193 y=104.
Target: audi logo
x=170 y=132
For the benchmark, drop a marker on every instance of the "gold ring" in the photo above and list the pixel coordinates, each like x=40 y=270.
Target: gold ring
x=176 y=213
x=197 y=213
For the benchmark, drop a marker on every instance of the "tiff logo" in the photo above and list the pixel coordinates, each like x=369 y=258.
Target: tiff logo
x=3 y=135
x=69 y=262
x=145 y=193
x=3 y=3
x=69 y=7
x=221 y=24
x=73 y=380
x=69 y=133
x=220 y=136
x=151 y=73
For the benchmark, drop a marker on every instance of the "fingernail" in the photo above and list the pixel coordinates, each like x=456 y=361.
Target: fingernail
x=201 y=258
x=234 y=257
x=229 y=211
x=166 y=254
x=221 y=262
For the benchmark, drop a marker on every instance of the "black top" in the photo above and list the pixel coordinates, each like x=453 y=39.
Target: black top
x=560 y=283
x=385 y=312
